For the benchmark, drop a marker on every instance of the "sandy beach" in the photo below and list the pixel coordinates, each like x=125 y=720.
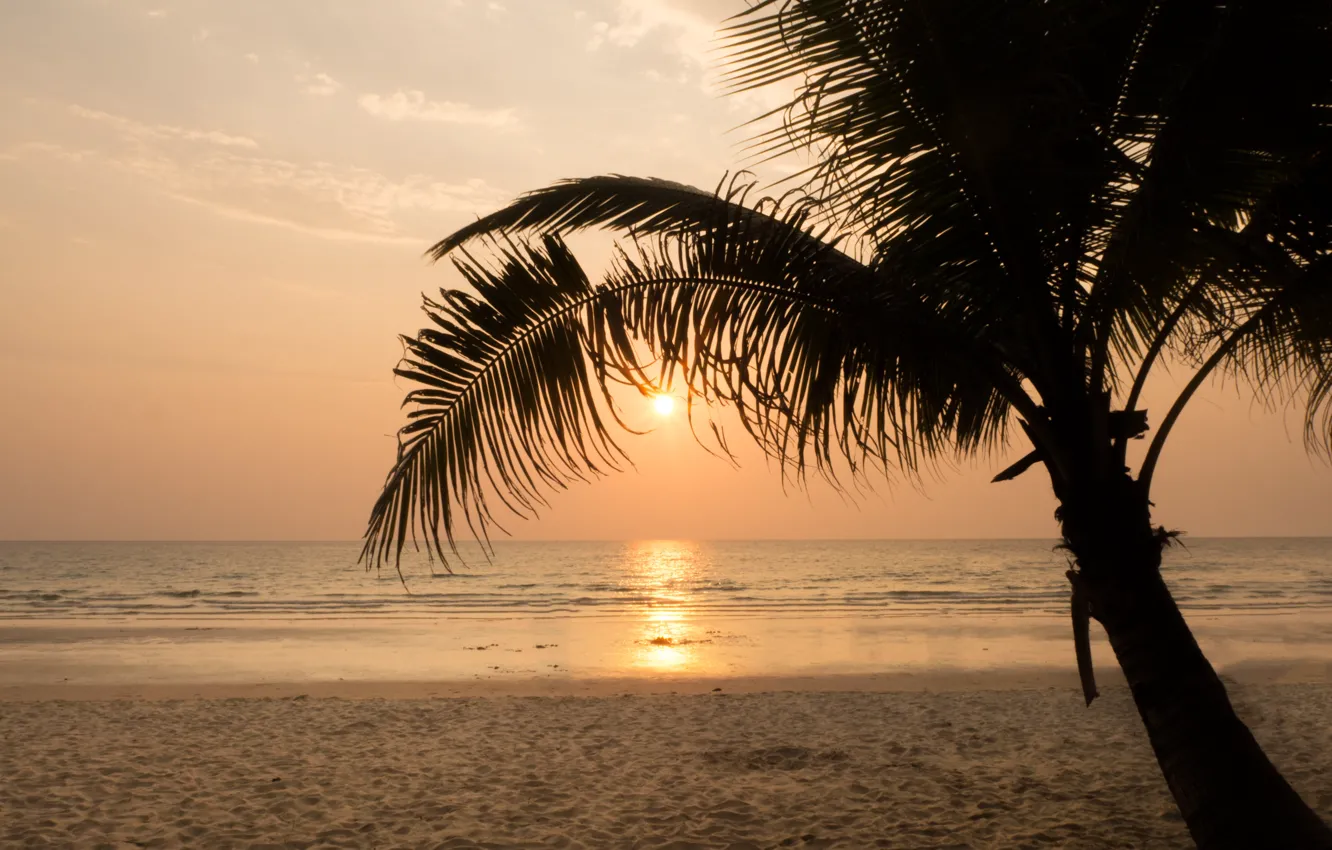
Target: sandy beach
x=913 y=764
x=713 y=703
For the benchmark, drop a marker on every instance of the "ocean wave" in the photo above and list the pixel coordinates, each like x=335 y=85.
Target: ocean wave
x=587 y=580
x=518 y=602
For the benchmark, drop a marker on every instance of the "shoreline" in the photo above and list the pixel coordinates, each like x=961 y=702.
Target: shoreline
x=660 y=652
x=956 y=680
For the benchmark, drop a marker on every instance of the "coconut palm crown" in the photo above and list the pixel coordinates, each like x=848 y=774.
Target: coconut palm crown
x=1015 y=210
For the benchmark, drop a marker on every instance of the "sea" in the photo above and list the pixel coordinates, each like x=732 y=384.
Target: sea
x=116 y=614
x=886 y=578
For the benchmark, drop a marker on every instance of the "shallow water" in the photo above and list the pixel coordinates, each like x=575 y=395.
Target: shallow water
x=113 y=613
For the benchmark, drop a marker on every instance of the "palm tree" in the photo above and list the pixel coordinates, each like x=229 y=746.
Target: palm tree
x=1015 y=210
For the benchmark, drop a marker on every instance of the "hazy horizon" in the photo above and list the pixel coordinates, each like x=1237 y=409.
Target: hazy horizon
x=1182 y=539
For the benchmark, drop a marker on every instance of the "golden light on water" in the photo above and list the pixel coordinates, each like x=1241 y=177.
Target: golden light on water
x=664 y=405
x=668 y=639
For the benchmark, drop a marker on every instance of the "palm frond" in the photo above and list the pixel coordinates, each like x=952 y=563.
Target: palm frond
x=1285 y=350
x=862 y=369
x=1224 y=106
x=961 y=134
x=1282 y=347
x=504 y=407
x=640 y=205
x=1078 y=160
x=824 y=358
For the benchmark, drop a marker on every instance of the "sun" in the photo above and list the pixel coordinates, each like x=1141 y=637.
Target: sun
x=663 y=404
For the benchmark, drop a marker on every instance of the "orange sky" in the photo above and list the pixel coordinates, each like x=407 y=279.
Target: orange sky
x=211 y=220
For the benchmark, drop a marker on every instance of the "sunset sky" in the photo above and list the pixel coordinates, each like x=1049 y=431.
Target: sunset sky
x=212 y=215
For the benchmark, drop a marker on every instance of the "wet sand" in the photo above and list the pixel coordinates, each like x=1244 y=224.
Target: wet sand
x=660 y=645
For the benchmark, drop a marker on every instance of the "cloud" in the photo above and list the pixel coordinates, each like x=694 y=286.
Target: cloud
x=27 y=150
x=295 y=225
x=320 y=85
x=688 y=29
x=413 y=106
x=690 y=35
x=320 y=199
x=161 y=132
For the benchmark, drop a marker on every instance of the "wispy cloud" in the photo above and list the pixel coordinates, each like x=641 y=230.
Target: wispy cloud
x=414 y=106
x=320 y=199
x=295 y=225
x=29 y=150
x=321 y=85
x=161 y=132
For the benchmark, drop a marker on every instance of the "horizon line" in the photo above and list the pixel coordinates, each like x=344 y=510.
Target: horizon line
x=504 y=541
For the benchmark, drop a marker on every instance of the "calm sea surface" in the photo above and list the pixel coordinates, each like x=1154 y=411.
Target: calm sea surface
x=564 y=579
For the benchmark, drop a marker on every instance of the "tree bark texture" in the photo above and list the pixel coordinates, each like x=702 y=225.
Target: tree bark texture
x=1230 y=794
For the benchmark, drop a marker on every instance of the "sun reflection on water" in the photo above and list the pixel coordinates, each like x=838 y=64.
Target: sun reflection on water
x=664 y=572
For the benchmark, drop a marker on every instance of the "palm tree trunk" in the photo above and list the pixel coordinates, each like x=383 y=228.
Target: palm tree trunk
x=1230 y=794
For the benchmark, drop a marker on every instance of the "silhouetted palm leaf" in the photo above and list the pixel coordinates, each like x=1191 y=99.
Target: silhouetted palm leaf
x=823 y=357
